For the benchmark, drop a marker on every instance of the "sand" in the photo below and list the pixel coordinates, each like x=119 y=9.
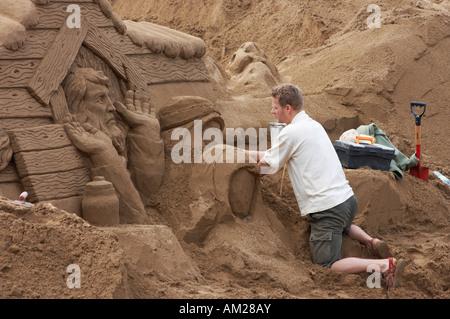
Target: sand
x=351 y=76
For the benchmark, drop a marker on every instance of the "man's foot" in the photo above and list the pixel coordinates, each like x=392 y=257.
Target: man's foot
x=393 y=275
x=379 y=249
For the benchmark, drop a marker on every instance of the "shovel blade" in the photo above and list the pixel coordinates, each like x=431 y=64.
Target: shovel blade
x=420 y=172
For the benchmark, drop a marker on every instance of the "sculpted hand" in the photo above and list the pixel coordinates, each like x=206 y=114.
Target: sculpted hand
x=137 y=113
x=87 y=138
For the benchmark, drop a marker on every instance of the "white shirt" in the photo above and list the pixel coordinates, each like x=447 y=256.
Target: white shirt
x=314 y=168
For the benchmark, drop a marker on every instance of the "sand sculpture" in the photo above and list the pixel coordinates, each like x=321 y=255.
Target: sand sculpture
x=87 y=115
x=104 y=117
x=250 y=70
x=61 y=92
x=108 y=146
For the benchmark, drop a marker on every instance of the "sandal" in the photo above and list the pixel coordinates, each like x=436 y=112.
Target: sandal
x=380 y=250
x=394 y=273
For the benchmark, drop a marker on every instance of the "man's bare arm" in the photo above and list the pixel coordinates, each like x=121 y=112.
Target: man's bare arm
x=257 y=156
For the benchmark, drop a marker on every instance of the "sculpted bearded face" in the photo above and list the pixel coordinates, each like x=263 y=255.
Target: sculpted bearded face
x=87 y=93
x=99 y=112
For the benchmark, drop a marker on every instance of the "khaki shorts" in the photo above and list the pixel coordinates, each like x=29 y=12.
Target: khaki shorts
x=327 y=228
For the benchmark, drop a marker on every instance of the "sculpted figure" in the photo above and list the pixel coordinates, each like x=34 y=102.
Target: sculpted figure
x=122 y=139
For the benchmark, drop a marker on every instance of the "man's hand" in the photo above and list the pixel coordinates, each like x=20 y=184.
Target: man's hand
x=137 y=112
x=257 y=156
x=261 y=165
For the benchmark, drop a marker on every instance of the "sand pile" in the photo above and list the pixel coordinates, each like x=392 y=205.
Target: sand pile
x=197 y=246
x=38 y=247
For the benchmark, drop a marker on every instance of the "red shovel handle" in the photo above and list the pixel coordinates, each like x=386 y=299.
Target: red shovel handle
x=418 y=171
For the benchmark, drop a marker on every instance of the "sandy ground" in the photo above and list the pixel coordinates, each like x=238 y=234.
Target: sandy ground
x=350 y=75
